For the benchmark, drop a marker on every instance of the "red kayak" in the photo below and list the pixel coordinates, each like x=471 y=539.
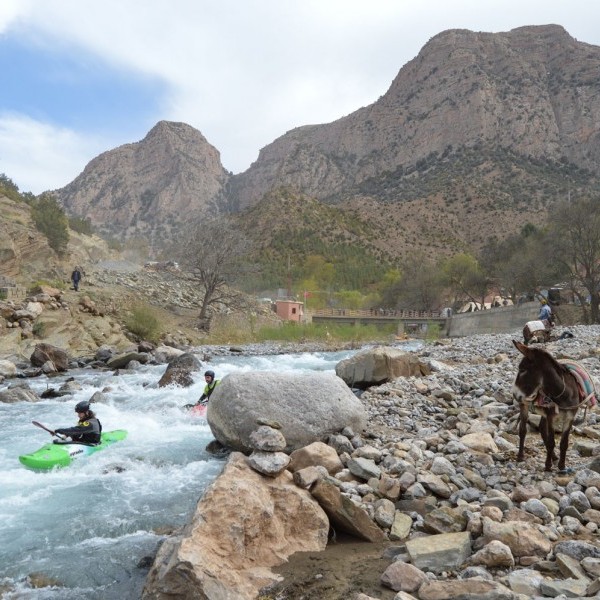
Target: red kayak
x=198 y=410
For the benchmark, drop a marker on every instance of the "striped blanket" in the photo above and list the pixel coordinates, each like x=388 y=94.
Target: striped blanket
x=587 y=388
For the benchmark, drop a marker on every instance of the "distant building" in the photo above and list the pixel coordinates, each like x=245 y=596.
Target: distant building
x=10 y=290
x=290 y=310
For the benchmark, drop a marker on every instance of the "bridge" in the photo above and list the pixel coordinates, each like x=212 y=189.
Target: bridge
x=410 y=321
x=504 y=319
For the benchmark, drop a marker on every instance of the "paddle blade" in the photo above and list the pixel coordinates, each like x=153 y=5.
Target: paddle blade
x=43 y=427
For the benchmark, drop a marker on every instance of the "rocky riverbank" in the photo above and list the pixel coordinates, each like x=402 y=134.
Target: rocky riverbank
x=445 y=446
x=435 y=471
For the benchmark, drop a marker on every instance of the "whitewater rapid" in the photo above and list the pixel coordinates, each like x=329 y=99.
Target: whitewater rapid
x=87 y=527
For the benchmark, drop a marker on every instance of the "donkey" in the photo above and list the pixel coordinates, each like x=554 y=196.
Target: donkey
x=554 y=388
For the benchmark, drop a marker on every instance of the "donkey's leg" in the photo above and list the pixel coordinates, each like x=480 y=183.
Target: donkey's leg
x=569 y=417
x=547 y=427
x=547 y=433
x=523 y=413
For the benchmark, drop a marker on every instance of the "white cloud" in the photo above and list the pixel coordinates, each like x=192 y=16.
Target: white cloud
x=10 y=11
x=39 y=157
x=244 y=72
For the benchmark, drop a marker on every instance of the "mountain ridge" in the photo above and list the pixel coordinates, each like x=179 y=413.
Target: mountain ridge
x=477 y=124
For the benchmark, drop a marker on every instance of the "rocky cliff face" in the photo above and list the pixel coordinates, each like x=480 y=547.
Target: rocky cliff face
x=20 y=243
x=25 y=254
x=534 y=90
x=150 y=187
x=477 y=135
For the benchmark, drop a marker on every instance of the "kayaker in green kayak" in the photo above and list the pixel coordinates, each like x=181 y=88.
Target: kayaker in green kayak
x=87 y=430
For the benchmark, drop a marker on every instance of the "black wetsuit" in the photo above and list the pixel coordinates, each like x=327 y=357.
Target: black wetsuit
x=87 y=431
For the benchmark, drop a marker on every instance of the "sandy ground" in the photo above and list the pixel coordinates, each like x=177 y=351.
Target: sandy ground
x=346 y=567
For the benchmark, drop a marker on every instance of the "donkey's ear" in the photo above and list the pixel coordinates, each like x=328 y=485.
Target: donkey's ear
x=522 y=348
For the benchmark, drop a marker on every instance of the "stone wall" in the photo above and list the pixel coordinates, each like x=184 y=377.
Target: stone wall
x=10 y=290
x=505 y=319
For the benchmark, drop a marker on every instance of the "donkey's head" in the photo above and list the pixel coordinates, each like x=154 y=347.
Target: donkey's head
x=530 y=375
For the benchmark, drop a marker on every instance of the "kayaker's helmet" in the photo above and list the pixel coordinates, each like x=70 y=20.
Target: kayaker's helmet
x=543 y=301
x=82 y=407
x=210 y=374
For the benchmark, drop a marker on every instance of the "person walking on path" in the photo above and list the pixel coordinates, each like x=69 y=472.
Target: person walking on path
x=76 y=278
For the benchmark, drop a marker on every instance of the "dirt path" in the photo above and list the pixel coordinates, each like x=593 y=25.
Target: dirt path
x=346 y=567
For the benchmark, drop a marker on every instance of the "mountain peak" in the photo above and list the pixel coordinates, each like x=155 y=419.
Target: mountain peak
x=151 y=187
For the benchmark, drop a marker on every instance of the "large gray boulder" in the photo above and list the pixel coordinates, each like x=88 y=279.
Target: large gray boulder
x=7 y=368
x=306 y=407
x=374 y=366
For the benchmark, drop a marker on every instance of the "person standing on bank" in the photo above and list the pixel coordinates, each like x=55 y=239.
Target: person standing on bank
x=87 y=430
x=76 y=278
x=211 y=384
x=545 y=313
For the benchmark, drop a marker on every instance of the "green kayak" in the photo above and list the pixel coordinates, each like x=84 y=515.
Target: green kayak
x=62 y=455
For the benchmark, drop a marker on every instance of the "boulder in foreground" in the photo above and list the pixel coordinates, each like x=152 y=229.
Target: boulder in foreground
x=225 y=552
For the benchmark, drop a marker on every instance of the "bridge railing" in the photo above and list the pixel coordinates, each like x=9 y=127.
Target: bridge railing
x=376 y=313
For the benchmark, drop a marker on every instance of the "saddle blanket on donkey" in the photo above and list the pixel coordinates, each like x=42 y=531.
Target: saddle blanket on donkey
x=585 y=383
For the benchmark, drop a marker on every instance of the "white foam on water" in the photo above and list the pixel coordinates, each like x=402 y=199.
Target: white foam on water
x=88 y=525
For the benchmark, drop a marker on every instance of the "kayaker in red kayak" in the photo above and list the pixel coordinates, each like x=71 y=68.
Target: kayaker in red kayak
x=211 y=384
x=87 y=430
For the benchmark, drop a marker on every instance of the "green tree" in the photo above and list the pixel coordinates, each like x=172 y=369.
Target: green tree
x=50 y=219
x=81 y=225
x=520 y=264
x=9 y=188
x=350 y=299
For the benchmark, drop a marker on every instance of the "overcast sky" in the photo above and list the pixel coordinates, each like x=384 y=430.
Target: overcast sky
x=79 y=77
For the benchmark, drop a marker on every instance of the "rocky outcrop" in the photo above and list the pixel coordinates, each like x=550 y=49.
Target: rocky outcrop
x=46 y=317
x=306 y=407
x=22 y=247
x=25 y=251
x=228 y=553
x=152 y=187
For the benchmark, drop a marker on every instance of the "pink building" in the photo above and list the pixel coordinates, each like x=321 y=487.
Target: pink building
x=290 y=310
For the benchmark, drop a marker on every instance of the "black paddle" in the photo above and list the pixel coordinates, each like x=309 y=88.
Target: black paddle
x=62 y=437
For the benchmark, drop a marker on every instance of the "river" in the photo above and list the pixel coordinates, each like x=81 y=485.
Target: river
x=86 y=527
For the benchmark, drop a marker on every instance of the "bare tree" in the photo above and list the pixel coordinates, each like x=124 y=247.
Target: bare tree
x=211 y=253
x=575 y=229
